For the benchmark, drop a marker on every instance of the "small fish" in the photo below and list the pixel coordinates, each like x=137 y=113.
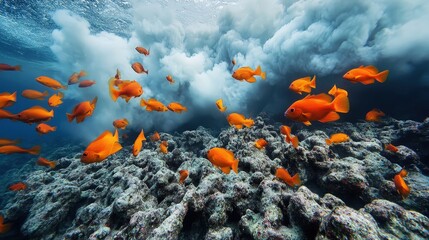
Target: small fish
x=120 y=123
x=138 y=143
x=45 y=162
x=337 y=138
x=233 y=62
x=4 y=227
x=170 y=79
x=155 y=137
x=286 y=130
x=6 y=115
x=33 y=94
x=163 y=147
x=9 y=149
x=7 y=67
x=153 y=105
x=102 y=147
x=143 y=51
x=176 y=107
x=260 y=143
x=374 y=115
x=220 y=106
x=391 y=147
x=183 y=175
x=56 y=99
x=44 y=128
x=337 y=91
x=50 y=82
x=74 y=78
x=86 y=83
x=284 y=175
x=366 y=75
x=138 y=68
x=7 y=99
x=127 y=90
x=401 y=185
x=34 y=114
x=319 y=107
x=4 y=141
x=82 y=111
x=19 y=186
x=247 y=74
x=223 y=159
x=238 y=121
x=304 y=84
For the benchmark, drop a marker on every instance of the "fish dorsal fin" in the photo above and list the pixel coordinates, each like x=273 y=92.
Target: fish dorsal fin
x=151 y=100
x=307 y=79
x=322 y=96
x=372 y=69
x=94 y=101
x=361 y=66
x=38 y=107
x=103 y=135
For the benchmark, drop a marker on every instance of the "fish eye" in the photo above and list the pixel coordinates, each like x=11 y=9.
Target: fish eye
x=292 y=109
x=85 y=154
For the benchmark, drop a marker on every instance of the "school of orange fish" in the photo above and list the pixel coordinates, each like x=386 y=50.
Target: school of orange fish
x=321 y=107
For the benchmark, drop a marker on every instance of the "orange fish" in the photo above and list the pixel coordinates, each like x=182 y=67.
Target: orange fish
x=337 y=91
x=101 y=148
x=50 y=82
x=82 y=110
x=120 y=123
x=220 y=106
x=86 y=83
x=7 y=99
x=163 y=147
x=143 y=51
x=318 y=108
x=34 y=114
x=223 y=159
x=7 y=67
x=44 y=128
x=183 y=175
x=46 y=163
x=138 y=68
x=155 y=137
x=153 y=105
x=400 y=184
x=260 y=143
x=74 y=78
x=33 y=94
x=337 y=138
x=366 y=75
x=19 y=186
x=6 y=115
x=4 y=141
x=285 y=130
x=127 y=89
x=391 y=147
x=138 y=143
x=284 y=175
x=247 y=74
x=374 y=115
x=9 y=149
x=4 y=227
x=56 y=99
x=170 y=79
x=238 y=121
x=304 y=84
x=176 y=107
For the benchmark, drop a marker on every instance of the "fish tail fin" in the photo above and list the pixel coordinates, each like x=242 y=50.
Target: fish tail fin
x=313 y=82
x=45 y=93
x=248 y=122
x=54 y=128
x=294 y=140
x=296 y=180
x=64 y=87
x=328 y=141
x=259 y=72
x=52 y=165
x=34 y=150
x=51 y=113
x=333 y=90
x=13 y=96
x=82 y=73
x=235 y=166
x=17 y=68
x=381 y=77
x=143 y=103
x=147 y=72
x=114 y=94
x=341 y=104
x=70 y=117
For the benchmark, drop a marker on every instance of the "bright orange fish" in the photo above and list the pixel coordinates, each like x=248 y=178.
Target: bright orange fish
x=138 y=68
x=318 y=108
x=304 y=84
x=170 y=79
x=7 y=99
x=4 y=227
x=19 y=186
x=176 y=107
x=337 y=138
x=337 y=91
x=238 y=121
x=285 y=130
x=183 y=175
x=400 y=184
x=7 y=67
x=223 y=159
x=82 y=111
x=143 y=51
x=44 y=128
x=50 y=82
x=9 y=149
x=4 y=141
x=33 y=94
x=120 y=123
x=260 y=143
x=247 y=74
x=284 y=175
x=391 y=147
x=86 y=83
x=34 y=114
x=153 y=105
x=74 y=78
x=366 y=75
x=56 y=99
x=6 y=115
x=138 y=143
x=155 y=137
x=220 y=106
x=374 y=115
x=46 y=163
x=101 y=148
x=127 y=89
x=163 y=147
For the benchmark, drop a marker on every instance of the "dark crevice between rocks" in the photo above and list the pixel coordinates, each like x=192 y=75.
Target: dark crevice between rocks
x=194 y=227
x=116 y=221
